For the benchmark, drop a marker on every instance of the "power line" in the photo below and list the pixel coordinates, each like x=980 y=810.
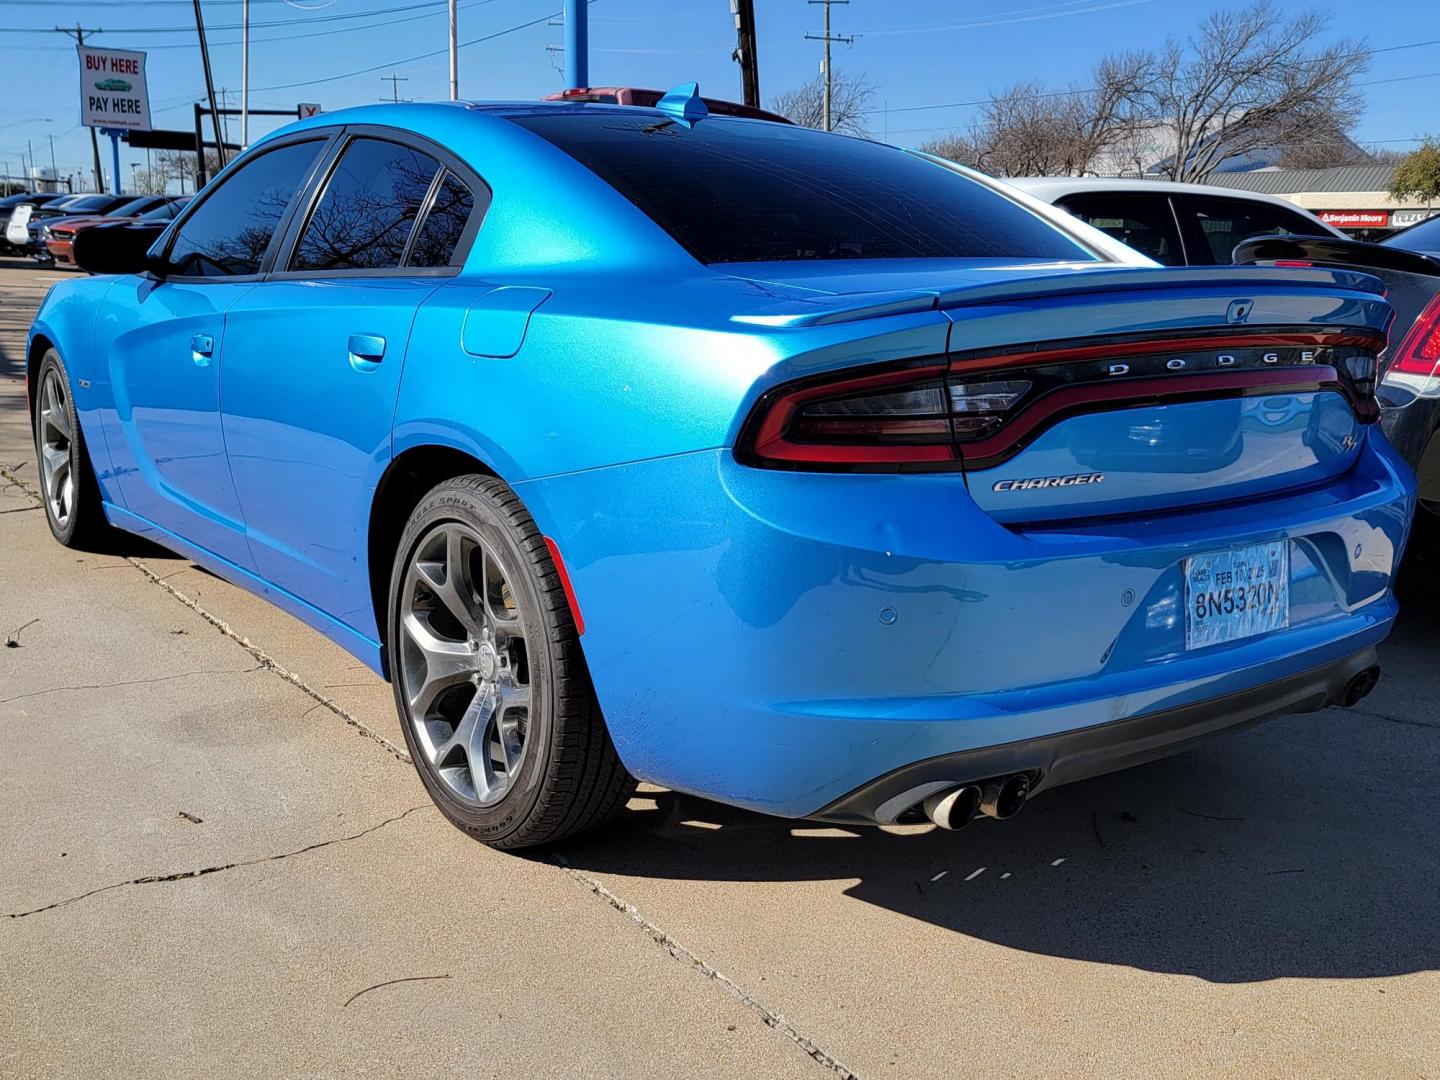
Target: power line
x=410 y=59
x=1091 y=89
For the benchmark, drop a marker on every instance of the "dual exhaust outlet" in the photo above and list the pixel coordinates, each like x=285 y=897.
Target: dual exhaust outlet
x=1000 y=798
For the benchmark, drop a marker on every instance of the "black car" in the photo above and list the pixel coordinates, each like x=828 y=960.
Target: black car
x=1409 y=392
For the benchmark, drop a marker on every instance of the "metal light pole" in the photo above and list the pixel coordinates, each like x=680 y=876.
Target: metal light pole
x=577 y=44
x=454 y=53
x=245 y=73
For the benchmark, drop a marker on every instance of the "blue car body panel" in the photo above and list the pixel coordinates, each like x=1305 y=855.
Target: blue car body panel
x=771 y=638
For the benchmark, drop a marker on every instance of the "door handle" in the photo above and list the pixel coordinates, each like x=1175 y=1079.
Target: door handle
x=366 y=351
x=202 y=349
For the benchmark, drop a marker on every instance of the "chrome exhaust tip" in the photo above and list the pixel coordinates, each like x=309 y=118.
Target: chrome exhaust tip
x=953 y=809
x=1004 y=797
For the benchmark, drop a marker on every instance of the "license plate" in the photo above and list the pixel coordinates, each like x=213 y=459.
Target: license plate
x=1237 y=594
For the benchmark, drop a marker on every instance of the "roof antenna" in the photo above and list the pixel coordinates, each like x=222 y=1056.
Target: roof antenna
x=684 y=104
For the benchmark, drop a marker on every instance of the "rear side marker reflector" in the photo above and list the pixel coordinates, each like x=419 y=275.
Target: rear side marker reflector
x=565 y=584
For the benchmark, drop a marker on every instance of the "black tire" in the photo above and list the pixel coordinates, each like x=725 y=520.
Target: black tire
x=83 y=526
x=569 y=778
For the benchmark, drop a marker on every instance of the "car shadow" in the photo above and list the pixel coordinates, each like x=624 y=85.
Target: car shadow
x=1304 y=848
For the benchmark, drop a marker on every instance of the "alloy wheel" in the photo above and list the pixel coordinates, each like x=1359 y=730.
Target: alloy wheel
x=464 y=664
x=56 y=470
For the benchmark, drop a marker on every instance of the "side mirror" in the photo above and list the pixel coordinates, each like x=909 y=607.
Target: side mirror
x=118 y=248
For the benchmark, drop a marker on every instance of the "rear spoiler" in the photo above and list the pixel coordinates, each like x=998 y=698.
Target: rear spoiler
x=1065 y=280
x=1331 y=251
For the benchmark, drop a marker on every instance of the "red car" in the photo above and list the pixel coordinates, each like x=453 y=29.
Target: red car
x=631 y=95
x=60 y=238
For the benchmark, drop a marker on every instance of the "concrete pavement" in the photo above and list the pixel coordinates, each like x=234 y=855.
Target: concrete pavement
x=213 y=845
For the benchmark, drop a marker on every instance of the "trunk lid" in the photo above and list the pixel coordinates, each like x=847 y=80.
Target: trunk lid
x=1072 y=393
x=1206 y=387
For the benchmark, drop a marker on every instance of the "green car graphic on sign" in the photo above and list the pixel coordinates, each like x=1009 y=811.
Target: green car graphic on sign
x=113 y=84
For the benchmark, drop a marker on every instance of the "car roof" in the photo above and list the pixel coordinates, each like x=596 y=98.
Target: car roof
x=1051 y=188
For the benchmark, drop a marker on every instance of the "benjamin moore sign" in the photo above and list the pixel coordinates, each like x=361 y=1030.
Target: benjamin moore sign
x=112 y=89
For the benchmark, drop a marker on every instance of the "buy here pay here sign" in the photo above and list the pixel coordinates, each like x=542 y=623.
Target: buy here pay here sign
x=112 y=89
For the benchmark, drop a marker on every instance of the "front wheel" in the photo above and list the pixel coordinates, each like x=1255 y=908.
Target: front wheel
x=494 y=697
x=68 y=486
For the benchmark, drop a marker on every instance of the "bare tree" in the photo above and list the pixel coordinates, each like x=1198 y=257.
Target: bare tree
x=1250 y=80
x=179 y=165
x=149 y=182
x=850 y=97
x=1029 y=130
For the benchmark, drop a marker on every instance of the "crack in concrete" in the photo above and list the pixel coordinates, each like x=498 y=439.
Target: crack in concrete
x=768 y=1016
x=131 y=682
x=184 y=875
x=1392 y=719
x=269 y=663
x=261 y=657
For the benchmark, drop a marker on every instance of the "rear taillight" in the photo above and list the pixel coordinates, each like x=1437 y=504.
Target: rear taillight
x=1419 y=353
x=981 y=408
x=912 y=414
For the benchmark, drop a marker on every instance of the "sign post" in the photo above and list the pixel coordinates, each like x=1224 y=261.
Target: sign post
x=113 y=97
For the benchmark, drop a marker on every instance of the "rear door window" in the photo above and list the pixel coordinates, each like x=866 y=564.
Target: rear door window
x=369 y=206
x=1143 y=222
x=738 y=191
x=1222 y=223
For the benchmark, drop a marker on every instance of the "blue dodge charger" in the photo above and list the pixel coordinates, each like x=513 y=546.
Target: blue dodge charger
x=792 y=470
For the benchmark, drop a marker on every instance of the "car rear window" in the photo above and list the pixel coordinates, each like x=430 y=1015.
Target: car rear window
x=736 y=191
x=1422 y=237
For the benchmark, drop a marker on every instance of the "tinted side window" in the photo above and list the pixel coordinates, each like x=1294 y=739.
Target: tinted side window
x=735 y=191
x=1226 y=222
x=370 y=204
x=229 y=232
x=444 y=224
x=1143 y=222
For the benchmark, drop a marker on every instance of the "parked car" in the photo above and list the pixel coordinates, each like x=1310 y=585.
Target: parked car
x=648 y=99
x=10 y=202
x=1175 y=224
x=23 y=228
x=1409 y=265
x=1422 y=237
x=59 y=236
x=797 y=471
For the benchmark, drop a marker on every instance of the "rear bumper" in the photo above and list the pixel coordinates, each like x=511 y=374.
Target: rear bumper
x=779 y=641
x=1069 y=756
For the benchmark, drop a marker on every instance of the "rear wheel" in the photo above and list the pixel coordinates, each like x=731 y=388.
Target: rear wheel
x=495 y=700
x=68 y=486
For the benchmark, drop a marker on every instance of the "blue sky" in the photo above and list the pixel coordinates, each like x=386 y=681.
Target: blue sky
x=915 y=52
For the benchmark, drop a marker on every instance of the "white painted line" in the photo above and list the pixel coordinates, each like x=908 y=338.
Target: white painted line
x=941 y=874
x=1005 y=875
x=1057 y=862
x=976 y=874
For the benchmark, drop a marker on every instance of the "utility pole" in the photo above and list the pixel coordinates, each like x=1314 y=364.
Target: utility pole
x=454 y=52
x=577 y=44
x=209 y=87
x=395 y=81
x=827 y=38
x=79 y=32
x=745 y=51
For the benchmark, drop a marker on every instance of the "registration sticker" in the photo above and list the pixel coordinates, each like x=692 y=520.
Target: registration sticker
x=1237 y=594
